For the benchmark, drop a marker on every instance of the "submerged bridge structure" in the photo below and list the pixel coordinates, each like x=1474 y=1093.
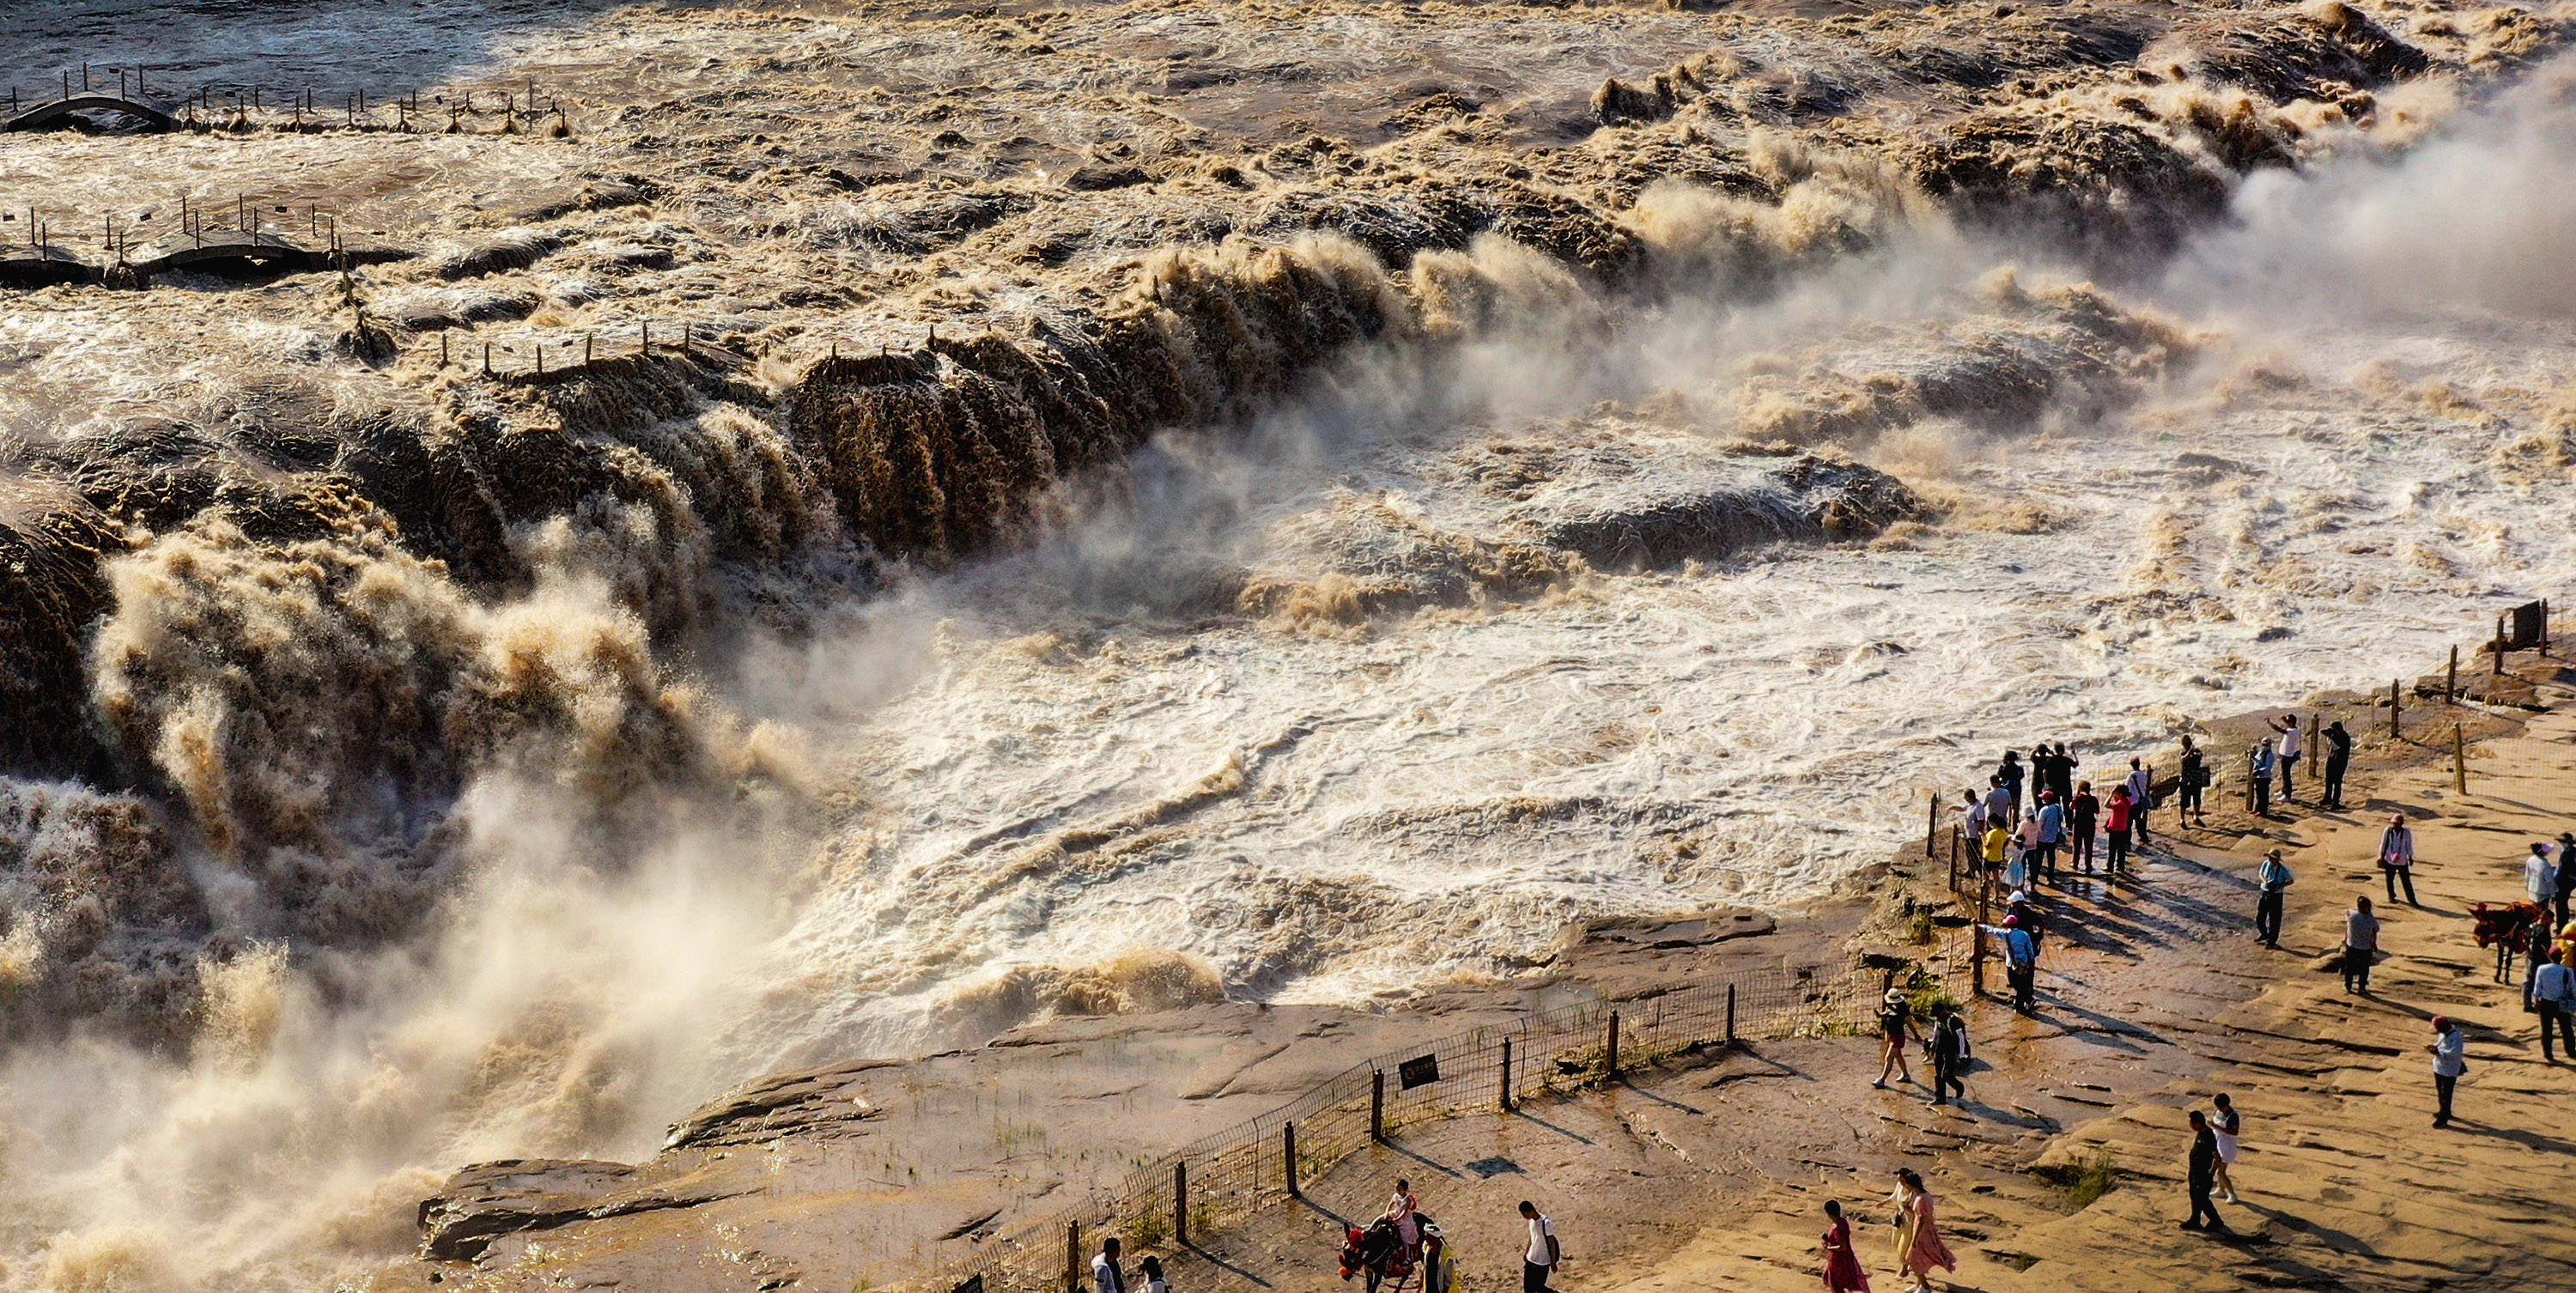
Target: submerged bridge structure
x=60 y=113
x=230 y=252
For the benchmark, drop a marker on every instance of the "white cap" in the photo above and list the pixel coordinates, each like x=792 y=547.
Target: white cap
x=2017 y=896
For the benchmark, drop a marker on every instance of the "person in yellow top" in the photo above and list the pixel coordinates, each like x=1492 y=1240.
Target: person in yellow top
x=1998 y=841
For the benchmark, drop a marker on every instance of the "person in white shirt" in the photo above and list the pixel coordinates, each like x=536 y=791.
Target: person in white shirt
x=1154 y=1281
x=2142 y=796
x=1401 y=1210
x=2540 y=878
x=2224 y=1124
x=2288 y=726
x=2553 y=995
x=2450 y=1051
x=1542 y=1256
x=2397 y=857
x=1105 y=1275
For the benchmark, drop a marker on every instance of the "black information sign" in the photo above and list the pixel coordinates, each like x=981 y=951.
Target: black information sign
x=1418 y=1072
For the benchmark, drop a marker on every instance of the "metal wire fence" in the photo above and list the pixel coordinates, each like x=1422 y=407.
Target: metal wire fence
x=1230 y=1175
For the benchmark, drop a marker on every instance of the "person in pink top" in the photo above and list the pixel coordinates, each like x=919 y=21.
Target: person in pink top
x=1842 y=1266
x=1918 y=1236
x=2116 y=824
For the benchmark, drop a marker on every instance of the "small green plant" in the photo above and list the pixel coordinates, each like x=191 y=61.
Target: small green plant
x=2084 y=1182
x=1919 y=927
x=1148 y=1229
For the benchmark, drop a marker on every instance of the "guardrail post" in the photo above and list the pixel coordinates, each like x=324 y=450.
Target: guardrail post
x=1613 y=1071
x=1073 y=1257
x=2451 y=680
x=1377 y=1105
x=2393 y=730
x=2498 y=671
x=1730 y=1014
x=2459 y=762
x=1931 y=823
x=1181 y=1203
x=1506 y=1101
x=1288 y=1142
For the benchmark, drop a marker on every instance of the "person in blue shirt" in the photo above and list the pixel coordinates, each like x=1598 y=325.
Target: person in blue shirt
x=2021 y=963
x=2052 y=832
x=2274 y=879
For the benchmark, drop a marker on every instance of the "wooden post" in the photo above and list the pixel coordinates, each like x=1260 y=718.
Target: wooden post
x=648 y=338
x=1181 y=1204
x=2499 y=653
x=2451 y=679
x=2459 y=762
x=1931 y=824
x=487 y=358
x=1377 y=1105
x=541 y=359
x=1288 y=1142
x=585 y=347
x=1730 y=1014
x=442 y=348
x=2393 y=730
x=1073 y=1257
x=1506 y=1099
x=1985 y=914
x=1613 y=1071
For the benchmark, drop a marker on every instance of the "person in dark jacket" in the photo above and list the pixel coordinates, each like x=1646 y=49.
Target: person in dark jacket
x=2009 y=775
x=2273 y=878
x=2566 y=875
x=2338 y=757
x=1949 y=1053
x=2082 y=814
x=2195 y=778
x=2204 y=1175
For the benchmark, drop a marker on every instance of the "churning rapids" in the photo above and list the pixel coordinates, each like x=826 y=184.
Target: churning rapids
x=1158 y=501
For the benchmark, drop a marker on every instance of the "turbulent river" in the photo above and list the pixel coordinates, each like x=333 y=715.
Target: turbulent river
x=1134 y=524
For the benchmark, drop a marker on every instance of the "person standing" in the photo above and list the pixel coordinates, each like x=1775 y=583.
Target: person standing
x=1896 y=1027
x=1540 y=1258
x=2258 y=778
x=2065 y=766
x=2195 y=779
x=2224 y=1124
x=1992 y=849
x=2288 y=726
x=2117 y=826
x=2052 y=831
x=2025 y=916
x=2540 y=877
x=2553 y=996
x=1153 y=1271
x=1105 y=1275
x=1843 y=1273
x=2142 y=796
x=1972 y=819
x=2450 y=1051
x=2566 y=876
x=1999 y=802
x=2274 y=879
x=1918 y=1233
x=1949 y=1053
x=2204 y=1173
x=2010 y=774
x=2397 y=857
x=2084 y=812
x=2360 y=945
x=2338 y=757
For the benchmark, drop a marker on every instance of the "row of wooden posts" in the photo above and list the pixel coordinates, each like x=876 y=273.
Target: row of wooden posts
x=589 y=347
x=303 y=100
x=192 y=222
x=1073 y=1248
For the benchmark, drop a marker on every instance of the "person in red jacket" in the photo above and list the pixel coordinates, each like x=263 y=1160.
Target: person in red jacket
x=2117 y=824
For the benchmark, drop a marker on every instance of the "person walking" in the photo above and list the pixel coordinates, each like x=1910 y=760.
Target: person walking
x=2052 y=831
x=2274 y=879
x=2203 y=1174
x=2291 y=743
x=2021 y=962
x=2116 y=824
x=2450 y=1051
x=1949 y=1053
x=1918 y=1233
x=1896 y=1027
x=2142 y=796
x=2338 y=757
x=2224 y=1124
x=2195 y=779
x=1541 y=1258
x=2084 y=813
x=1843 y=1273
x=2360 y=945
x=2540 y=877
x=1152 y=1268
x=2566 y=877
x=2397 y=857
x=2553 y=997
x=1105 y=1275
x=2258 y=778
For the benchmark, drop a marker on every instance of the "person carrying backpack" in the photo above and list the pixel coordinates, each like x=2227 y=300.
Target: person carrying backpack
x=1949 y=1053
x=2021 y=963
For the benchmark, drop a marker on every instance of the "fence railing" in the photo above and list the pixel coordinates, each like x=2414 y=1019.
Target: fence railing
x=1233 y=1174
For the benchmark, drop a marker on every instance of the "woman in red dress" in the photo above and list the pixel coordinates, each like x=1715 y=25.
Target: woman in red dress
x=1842 y=1266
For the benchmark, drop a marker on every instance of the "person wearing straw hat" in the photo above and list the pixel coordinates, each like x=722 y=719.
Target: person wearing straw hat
x=1896 y=1026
